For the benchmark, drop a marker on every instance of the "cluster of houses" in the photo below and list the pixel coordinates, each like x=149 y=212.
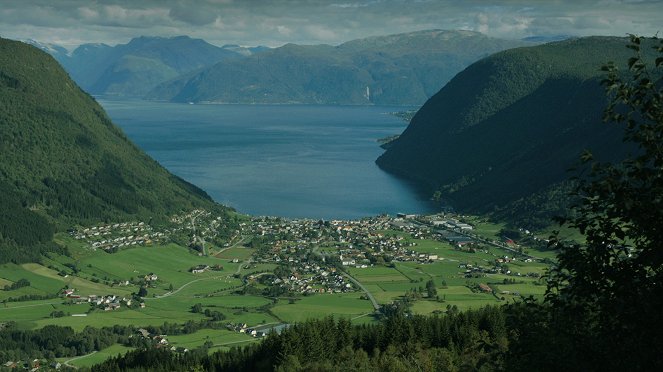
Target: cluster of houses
x=453 y=224
x=106 y=303
x=202 y=268
x=111 y=237
x=244 y=328
x=259 y=331
x=313 y=279
x=33 y=365
x=118 y=235
x=199 y=221
x=159 y=341
x=358 y=244
x=305 y=245
x=499 y=267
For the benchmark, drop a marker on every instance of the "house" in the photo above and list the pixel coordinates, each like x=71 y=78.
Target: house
x=160 y=340
x=199 y=269
x=144 y=332
x=151 y=277
x=485 y=287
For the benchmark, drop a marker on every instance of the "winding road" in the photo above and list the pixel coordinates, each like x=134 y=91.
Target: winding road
x=66 y=363
x=167 y=294
x=376 y=306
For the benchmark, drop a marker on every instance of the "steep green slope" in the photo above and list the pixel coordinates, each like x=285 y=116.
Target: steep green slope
x=64 y=162
x=397 y=69
x=504 y=131
x=134 y=68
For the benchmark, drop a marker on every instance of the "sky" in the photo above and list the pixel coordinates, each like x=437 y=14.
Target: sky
x=273 y=23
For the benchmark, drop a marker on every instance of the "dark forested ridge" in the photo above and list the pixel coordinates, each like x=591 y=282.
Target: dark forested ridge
x=396 y=69
x=63 y=161
x=504 y=132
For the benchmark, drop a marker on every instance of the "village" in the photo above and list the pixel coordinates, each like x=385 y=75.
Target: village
x=314 y=256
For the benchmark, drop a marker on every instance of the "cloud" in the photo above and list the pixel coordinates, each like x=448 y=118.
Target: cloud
x=193 y=14
x=284 y=30
x=502 y=25
x=353 y=5
x=273 y=23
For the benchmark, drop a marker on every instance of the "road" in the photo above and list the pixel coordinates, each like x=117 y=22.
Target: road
x=33 y=305
x=239 y=268
x=193 y=226
x=78 y=357
x=376 y=306
x=182 y=287
x=240 y=241
x=368 y=294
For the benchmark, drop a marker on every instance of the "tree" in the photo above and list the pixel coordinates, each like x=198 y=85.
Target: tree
x=610 y=288
x=142 y=292
x=430 y=289
x=197 y=308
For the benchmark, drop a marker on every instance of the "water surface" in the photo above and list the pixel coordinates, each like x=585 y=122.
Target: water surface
x=279 y=160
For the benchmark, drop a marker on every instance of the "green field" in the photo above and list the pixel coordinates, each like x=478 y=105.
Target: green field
x=218 y=337
x=377 y=274
x=240 y=253
x=320 y=305
x=98 y=357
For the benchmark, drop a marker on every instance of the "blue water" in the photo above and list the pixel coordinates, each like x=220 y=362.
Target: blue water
x=278 y=160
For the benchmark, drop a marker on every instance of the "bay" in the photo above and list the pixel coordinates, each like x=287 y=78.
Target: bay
x=296 y=161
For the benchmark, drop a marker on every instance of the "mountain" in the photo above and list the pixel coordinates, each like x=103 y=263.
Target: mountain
x=134 y=68
x=58 y=52
x=501 y=135
x=245 y=51
x=396 y=69
x=64 y=162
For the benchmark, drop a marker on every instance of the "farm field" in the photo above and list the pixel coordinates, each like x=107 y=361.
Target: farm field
x=239 y=253
x=218 y=337
x=98 y=357
x=388 y=284
x=316 y=306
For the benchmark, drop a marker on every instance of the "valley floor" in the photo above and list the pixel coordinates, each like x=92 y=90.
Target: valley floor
x=271 y=271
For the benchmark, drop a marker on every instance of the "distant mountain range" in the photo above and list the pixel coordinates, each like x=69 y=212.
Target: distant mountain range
x=404 y=69
x=397 y=69
x=501 y=135
x=135 y=68
x=64 y=162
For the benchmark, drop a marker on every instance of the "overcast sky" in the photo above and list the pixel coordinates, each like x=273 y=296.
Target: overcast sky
x=274 y=23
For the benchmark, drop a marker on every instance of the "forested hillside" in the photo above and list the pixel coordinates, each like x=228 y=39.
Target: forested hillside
x=396 y=69
x=502 y=134
x=64 y=162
